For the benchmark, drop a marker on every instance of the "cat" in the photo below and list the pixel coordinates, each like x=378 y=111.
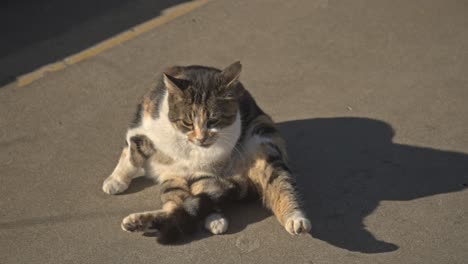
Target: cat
x=202 y=136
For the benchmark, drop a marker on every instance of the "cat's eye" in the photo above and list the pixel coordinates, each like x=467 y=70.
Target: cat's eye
x=212 y=123
x=187 y=123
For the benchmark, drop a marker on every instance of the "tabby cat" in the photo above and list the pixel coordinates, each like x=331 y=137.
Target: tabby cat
x=201 y=135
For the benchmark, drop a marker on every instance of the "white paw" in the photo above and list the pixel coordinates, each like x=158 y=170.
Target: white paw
x=133 y=223
x=216 y=223
x=142 y=222
x=113 y=186
x=297 y=224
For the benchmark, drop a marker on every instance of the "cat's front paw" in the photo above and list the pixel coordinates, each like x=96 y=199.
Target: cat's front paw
x=297 y=224
x=113 y=186
x=216 y=223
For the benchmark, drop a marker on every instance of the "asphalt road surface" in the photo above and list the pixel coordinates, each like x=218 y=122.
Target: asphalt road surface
x=370 y=95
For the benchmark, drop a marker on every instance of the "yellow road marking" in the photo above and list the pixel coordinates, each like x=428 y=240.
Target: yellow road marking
x=168 y=15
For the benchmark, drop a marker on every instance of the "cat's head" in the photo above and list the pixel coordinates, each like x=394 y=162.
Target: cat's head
x=203 y=101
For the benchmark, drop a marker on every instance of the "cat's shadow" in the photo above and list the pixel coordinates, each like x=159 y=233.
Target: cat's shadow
x=345 y=167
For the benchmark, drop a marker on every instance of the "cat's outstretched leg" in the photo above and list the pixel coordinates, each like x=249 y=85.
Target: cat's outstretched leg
x=186 y=202
x=130 y=165
x=273 y=178
x=143 y=222
x=181 y=214
x=174 y=191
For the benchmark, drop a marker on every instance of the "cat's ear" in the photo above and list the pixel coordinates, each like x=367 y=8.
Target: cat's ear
x=174 y=85
x=231 y=73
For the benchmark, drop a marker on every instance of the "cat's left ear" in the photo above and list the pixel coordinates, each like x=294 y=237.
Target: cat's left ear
x=231 y=73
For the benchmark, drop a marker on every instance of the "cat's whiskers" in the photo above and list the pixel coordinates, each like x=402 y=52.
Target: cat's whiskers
x=226 y=139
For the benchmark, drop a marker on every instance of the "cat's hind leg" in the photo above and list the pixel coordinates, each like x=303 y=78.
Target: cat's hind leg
x=273 y=178
x=187 y=202
x=130 y=165
x=180 y=215
x=144 y=221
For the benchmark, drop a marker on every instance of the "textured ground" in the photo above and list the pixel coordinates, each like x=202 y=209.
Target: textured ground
x=371 y=96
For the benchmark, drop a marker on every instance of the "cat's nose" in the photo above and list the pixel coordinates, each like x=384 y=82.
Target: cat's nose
x=201 y=139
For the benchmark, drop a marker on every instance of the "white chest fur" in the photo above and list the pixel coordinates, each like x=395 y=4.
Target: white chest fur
x=188 y=157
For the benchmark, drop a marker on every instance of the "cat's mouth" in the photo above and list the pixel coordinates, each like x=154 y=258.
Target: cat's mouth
x=204 y=144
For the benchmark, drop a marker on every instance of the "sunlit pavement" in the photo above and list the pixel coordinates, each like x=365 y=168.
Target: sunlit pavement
x=370 y=95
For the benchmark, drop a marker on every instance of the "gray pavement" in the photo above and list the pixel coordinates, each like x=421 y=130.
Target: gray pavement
x=39 y=32
x=370 y=95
